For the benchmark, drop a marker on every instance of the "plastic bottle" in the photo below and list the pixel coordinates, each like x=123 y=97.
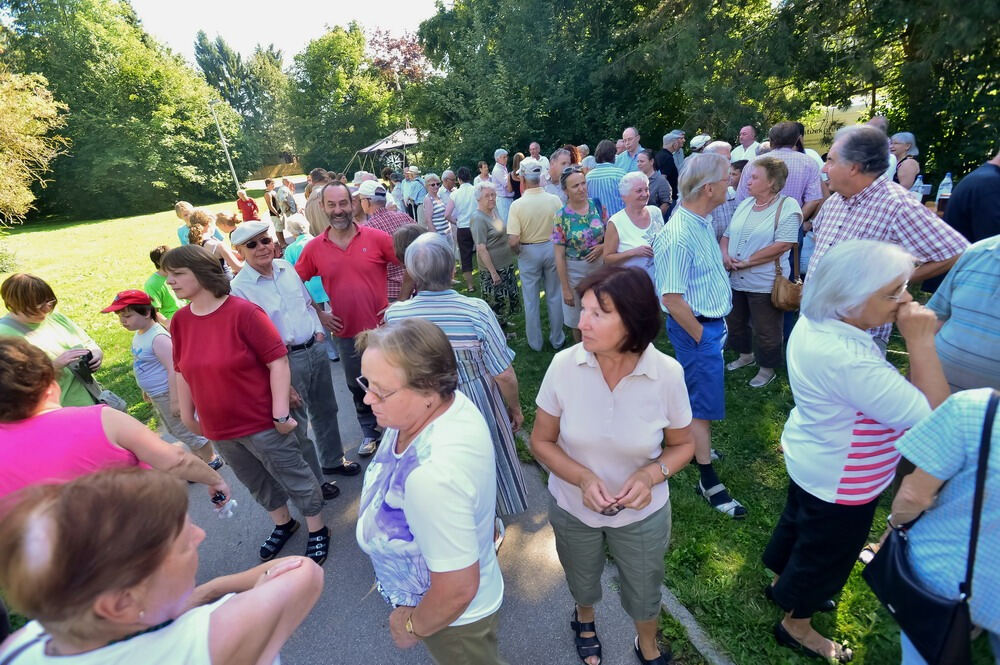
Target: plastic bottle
x=944 y=189
x=917 y=191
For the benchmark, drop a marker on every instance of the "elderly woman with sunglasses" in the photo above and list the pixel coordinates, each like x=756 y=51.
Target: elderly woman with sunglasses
x=434 y=207
x=578 y=241
x=426 y=512
x=839 y=442
x=31 y=314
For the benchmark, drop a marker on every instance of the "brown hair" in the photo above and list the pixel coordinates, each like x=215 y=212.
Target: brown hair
x=147 y=311
x=199 y=222
x=61 y=546
x=224 y=218
x=783 y=135
x=605 y=152
x=420 y=349
x=574 y=153
x=403 y=237
x=776 y=170
x=25 y=374
x=157 y=253
x=26 y=294
x=630 y=291
x=206 y=268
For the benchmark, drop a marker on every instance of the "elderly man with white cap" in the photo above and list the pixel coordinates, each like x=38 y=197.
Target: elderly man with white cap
x=414 y=192
x=529 y=233
x=499 y=178
x=274 y=286
x=372 y=195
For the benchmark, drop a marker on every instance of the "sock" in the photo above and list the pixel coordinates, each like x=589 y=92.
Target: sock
x=287 y=525
x=322 y=532
x=710 y=479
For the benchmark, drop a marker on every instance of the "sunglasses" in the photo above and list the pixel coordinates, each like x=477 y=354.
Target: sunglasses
x=433 y=184
x=363 y=382
x=572 y=168
x=266 y=240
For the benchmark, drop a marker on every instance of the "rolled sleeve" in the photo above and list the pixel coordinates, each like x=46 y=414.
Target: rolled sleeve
x=925 y=236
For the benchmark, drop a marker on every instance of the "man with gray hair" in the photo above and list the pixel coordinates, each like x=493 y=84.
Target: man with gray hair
x=584 y=151
x=720 y=147
x=448 y=183
x=866 y=204
x=557 y=162
x=665 y=162
x=499 y=179
x=529 y=232
x=626 y=160
x=694 y=292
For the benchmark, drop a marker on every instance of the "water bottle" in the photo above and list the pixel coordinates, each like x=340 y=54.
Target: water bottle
x=224 y=511
x=917 y=191
x=944 y=192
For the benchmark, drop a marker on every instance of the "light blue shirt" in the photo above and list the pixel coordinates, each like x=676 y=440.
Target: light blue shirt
x=602 y=185
x=315 y=285
x=150 y=373
x=688 y=261
x=627 y=162
x=284 y=299
x=946 y=445
x=414 y=189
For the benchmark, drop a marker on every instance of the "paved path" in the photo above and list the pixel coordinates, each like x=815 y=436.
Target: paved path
x=350 y=622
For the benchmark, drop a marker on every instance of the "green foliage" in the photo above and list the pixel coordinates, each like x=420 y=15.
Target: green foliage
x=341 y=100
x=142 y=135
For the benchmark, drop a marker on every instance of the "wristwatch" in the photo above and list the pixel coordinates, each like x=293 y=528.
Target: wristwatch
x=283 y=419
x=664 y=470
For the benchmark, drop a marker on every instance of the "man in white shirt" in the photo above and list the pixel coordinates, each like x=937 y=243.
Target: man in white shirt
x=747 y=149
x=459 y=212
x=274 y=286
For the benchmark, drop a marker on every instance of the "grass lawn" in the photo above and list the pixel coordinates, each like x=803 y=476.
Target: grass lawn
x=713 y=565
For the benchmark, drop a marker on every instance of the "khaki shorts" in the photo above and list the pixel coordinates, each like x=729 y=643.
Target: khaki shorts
x=472 y=644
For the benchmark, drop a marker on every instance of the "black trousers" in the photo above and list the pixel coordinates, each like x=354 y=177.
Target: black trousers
x=813 y=549
x=754 y=310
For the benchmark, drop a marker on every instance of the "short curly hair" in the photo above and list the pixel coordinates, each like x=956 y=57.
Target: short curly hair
x=25 y=375
x=420 y=349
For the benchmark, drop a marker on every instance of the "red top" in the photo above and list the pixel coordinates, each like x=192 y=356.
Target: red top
x=248 y=208
x=223 y=356
x=355 y=278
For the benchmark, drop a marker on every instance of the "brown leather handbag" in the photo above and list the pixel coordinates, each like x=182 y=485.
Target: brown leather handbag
x=786 y=295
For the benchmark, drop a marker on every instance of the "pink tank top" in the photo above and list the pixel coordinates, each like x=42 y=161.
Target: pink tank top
x=57 y=446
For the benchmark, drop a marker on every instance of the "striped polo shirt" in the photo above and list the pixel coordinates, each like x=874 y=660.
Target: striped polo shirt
x=602 y=184
x=688 y=261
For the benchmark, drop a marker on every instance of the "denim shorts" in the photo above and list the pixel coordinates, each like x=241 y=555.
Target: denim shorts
x=703 y=367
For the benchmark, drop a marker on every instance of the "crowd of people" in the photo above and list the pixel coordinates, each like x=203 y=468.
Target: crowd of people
x=624 y=243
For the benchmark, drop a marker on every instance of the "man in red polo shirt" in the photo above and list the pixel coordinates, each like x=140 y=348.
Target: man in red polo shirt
x=352 y=262
x=248 y=207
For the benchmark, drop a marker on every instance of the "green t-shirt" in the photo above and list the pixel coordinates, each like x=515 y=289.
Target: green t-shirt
x=53 y=336
x=164 y=300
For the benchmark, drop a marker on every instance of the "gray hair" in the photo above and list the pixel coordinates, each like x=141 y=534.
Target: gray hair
x=907 y=137
x=559 y=153
x=296 y=224
x=498 y=153
x=431 y=177
x=531 y=178
x=849 y=274
x=866 y=146
x=629 y=179
x=700 y=169
x=720 y=147
x=482 y=186
x=430 y=260
x=447 y=173
x=583 y=149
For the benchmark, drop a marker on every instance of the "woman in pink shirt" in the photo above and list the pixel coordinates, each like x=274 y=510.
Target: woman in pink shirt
x=41 y=441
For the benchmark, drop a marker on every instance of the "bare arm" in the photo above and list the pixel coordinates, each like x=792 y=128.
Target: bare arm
x=281 y=390
x=682 y=314
x=449 y=212
x=186 y=404
x=561 y=269
x=406 y=288
x=514 y=242
x=230 y=258
x=163 y=350
x=932 y=269
x=915 y=495
x=764 y=255
x=907 y=173
x=727 y=261
x=917 y=325
x=809 y=208
x=448 y=596
x=486 y=262
x=429 y=214
x=507 y=383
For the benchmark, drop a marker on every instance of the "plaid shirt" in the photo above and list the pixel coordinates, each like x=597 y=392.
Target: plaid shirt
x=389 y=221
x=802 y=183
x=884 y=211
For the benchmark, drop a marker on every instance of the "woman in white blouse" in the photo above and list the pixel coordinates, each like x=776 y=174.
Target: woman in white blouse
x=764 y=228
x=839 y=441
x=628 y=238
x=613 y=423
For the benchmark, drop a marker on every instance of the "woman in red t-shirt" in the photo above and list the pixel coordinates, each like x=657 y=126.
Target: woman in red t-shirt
x=232 y=368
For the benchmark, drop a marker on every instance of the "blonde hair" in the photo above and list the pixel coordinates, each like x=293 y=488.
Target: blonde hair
x=183 y=209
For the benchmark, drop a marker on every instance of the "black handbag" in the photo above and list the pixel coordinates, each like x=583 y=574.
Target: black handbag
x=938 y=626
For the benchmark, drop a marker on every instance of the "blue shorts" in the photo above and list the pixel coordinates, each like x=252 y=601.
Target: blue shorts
x=703 y=366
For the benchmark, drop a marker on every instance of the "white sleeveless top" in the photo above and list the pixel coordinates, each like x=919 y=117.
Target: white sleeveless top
x=631 y=236
x=183 y=641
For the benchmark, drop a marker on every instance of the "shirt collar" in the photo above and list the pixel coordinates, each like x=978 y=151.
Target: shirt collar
x=646 y=366
x=869 y=191
x=843 y=329
x=276 y=268
x=706 y=221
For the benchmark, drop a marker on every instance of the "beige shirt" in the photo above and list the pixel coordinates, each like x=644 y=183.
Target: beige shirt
x=318 y=220
x=532 y=216
x=612 y=433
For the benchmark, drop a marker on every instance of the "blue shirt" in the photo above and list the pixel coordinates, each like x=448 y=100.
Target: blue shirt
x=627 y=162
x=602 y=185
x=314 y=285
x=414 y=189
x=688 y=261
x=150 y=373
x=184 y=229
x=946 y=445
x=968 y=302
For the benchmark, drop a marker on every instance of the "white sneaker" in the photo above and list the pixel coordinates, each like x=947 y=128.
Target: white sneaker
x=741 y=362
x=764 y=377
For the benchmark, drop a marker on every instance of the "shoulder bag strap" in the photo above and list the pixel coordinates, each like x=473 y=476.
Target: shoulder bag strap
x=777 y=217
x=977 y=502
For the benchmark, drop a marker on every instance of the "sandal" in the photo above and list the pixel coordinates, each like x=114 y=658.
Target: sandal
x=318 y=545
x=662 y=659
x=868 y=553
x=733 y=508
x=277 y=540
x=586 y=647
x=841 y=653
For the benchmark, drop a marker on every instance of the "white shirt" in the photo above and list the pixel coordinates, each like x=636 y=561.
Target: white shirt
x=850 y=407
x=751 y=231
x=816 y=157
x=284 y=299
x=555 y=190
x=464 y=202
x=748 y=153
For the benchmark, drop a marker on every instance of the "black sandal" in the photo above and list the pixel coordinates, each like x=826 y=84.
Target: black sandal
x=277 y=540
x=586 y=647
x=662 y=659
x=318 y=545
x=841 y=653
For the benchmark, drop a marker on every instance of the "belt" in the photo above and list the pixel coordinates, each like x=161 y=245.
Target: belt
x=540 y=242
x=707 y=319
x=300 y=347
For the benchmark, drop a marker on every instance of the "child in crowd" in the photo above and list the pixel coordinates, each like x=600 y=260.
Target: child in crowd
x=162 y=297
x=227 y=222
x=152 y=363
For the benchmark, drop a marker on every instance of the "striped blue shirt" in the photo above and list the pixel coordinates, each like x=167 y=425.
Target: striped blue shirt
x=688 y=261
x=602 y=184
x=946 y=445
x=968 y=302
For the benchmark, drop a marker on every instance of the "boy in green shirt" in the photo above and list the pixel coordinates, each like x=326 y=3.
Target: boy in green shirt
x=164 y=300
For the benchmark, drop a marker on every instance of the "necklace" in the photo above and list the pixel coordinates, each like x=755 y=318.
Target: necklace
x=765 y=205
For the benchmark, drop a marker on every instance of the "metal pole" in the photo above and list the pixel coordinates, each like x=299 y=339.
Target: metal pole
x=225 y=148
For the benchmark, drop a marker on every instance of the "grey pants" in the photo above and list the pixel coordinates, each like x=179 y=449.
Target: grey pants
x=537 y=265
x=270 y=464
x=312 y=381
x=173 y=424
x=351 y=362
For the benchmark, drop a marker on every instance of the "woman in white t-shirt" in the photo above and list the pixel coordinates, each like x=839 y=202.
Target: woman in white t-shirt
x=839 y=441
x=763 y=230
x=105 y=566
x=628 y=238
x=429 y=496
x=613 y=423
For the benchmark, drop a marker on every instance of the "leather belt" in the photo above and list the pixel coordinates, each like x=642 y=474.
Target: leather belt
x=707 y=319
x=300 y=347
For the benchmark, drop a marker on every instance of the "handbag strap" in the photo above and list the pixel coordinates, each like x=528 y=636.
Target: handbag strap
x=977 y=501
x=795 y=247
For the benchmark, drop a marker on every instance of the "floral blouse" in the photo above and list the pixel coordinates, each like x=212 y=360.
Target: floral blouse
x=578 y=233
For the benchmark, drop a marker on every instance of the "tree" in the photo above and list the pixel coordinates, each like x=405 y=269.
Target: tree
x=400 y=61
x=28 y=118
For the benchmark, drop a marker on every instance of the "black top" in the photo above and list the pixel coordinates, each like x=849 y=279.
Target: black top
x=665 y=164
x=974 y=207
x=895 y=174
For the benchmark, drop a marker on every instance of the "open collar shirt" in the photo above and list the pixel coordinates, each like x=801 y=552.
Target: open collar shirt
x=284 y=299
x=748 y=153
x=688 y=261
x=628 y=162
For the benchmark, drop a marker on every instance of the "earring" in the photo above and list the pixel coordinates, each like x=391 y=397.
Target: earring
x=428 y=405
x=142 y=613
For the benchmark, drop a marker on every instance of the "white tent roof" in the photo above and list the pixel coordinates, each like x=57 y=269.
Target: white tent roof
x=398 y=139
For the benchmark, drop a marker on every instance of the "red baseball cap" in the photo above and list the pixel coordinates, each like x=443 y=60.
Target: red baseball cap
x=126 y=298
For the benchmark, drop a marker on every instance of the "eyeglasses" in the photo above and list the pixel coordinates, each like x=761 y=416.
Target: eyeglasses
x=49 y=305
x=433 y=184
x=899 y=294
x=266 y=240
x=572 y=168
x=363 y=382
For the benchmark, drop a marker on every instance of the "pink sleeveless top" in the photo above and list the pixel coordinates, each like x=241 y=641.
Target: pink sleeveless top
x=57 y=446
